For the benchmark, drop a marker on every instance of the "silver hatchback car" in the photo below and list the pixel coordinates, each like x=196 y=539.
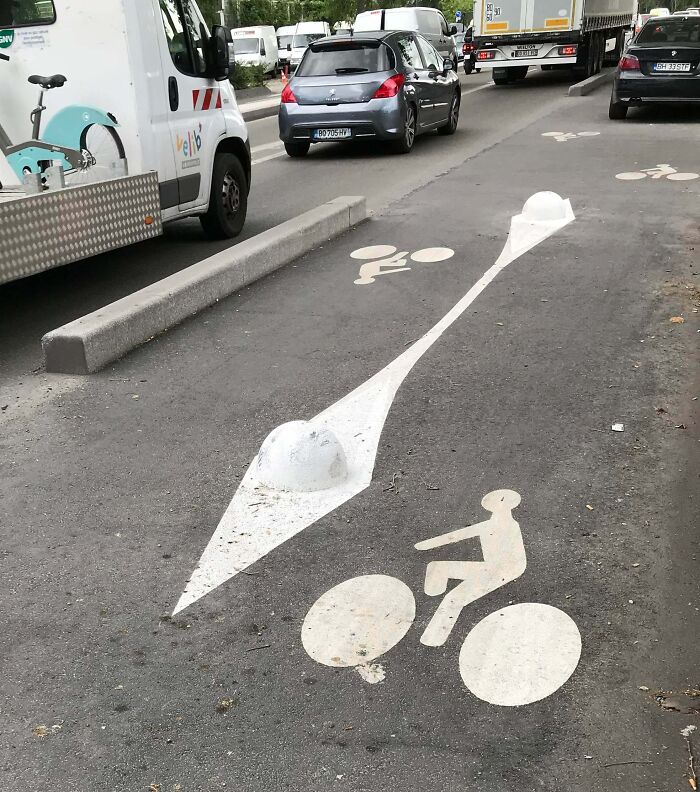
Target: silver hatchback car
x=385 y=85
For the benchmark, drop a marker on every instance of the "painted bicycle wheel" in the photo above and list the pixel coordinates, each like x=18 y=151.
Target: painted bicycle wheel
x=102 y=149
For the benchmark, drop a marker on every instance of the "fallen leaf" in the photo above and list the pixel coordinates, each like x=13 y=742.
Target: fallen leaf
x=225 y=705
x=154 y=788
x=677 y=320
x=692 y=783
x=40 y=731
x=644 y=688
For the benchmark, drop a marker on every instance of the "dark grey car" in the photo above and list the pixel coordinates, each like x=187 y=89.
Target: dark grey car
x=384 y=85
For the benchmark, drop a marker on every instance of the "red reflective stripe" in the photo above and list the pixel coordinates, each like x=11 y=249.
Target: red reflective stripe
x=218 y=99
x=207 y=99
x=195 y=97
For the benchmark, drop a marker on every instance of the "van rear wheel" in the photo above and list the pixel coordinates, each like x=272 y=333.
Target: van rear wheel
x=228 y=201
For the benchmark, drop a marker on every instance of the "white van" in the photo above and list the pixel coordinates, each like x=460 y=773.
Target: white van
x=135 y=97
x=304 y=34
x=429 y=22
x=285 y=36
x=256 y=46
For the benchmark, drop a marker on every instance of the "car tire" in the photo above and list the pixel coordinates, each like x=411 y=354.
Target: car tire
x=500 y=79
x=404 y=145
x=617 y=111
x=228 y=200
x=453 y=119
x=297 y=148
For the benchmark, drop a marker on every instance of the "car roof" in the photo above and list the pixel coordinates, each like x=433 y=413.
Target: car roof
x=364 y=34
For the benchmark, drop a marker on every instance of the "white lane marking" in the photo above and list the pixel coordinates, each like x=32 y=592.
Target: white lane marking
x=259 y=519
x=276 y=144
x=504 y=557
x=358 y=620
x=563 y=137
x=520 y=654
x=432 y=255
x=269 y=157
x=474 y=90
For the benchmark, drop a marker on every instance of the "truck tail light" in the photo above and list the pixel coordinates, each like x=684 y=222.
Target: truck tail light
x=390 y=87
x=629 y=63
x=486 y=55
x=288 y=96
x=569 y=50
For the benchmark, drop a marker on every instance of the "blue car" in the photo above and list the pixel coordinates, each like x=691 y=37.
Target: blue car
x=388 y=85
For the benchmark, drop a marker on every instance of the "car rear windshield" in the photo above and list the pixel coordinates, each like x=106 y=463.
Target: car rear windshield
x=342 y=58
x=245 y=46
x=671 y=31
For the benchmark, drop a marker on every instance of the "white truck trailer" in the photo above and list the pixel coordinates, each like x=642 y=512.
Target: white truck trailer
x=136 y=124
x=512 y=35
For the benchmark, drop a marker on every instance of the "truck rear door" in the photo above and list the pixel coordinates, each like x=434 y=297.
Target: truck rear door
x=544 y=16
x=526 y=16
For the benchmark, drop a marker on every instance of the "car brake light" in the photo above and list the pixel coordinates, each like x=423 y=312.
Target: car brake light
x=569 y=50
x=288 y=95
x=390 y=87
x=629 y=63
x=486 y=55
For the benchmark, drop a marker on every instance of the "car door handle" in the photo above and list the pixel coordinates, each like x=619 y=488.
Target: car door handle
x=173 y=94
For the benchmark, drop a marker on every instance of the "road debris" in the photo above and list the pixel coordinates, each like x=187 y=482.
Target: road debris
x=225 y=705
x=629 y=762
x=618 y=427
x=687 y=703
x=692 y=777
x=677 y=320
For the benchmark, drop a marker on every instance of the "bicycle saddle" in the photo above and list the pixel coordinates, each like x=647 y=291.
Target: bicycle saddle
x=55 y=81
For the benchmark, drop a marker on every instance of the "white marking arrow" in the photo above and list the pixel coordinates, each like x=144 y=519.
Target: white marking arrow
x=259 y=518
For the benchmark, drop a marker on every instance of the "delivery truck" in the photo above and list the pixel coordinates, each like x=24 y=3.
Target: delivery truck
x=115 y=118
x=512 y=35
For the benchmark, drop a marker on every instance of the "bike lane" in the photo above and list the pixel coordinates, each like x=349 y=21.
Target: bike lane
x=115 y=494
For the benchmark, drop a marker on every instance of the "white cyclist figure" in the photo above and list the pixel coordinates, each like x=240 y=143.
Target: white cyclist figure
x=504 y=560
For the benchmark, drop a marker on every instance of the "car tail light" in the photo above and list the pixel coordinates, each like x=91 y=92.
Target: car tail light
x=486 y=55
x=288 y=95
x=390 y=87
x=569 y=50
x=629 y=63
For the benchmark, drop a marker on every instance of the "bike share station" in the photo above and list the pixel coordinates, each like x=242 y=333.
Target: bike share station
x=115 y=120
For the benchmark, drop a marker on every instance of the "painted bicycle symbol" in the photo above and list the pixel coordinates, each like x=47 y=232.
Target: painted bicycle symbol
x=659 y=172
x=386 y=259
x=563 y=137
x=514 y=656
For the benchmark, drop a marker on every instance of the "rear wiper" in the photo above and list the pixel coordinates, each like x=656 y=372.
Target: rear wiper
x=351 y=70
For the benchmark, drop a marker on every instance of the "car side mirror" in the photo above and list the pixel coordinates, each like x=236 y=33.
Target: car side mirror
x=453 y=30
x=447 y=66
x=219 y=52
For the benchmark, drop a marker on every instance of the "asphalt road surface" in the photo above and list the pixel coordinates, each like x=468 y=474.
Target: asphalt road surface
x=112 y=488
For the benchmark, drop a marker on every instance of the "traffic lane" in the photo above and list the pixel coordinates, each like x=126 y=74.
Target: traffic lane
x=517 y=388
x=281 y=188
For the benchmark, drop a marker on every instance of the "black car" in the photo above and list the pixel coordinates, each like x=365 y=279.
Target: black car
x=662 y=64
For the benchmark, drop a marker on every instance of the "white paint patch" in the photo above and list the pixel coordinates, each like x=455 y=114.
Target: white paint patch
x=432 y=255
x=563 y=137
x=372 y=673
x=520 y=654
x=504 y=560
x=357 y=621
x=259 y=519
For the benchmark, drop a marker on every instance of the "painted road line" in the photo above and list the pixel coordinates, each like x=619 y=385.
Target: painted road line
x=266 y=146
x=268 y=158
x=474 y=90
x=260 y=518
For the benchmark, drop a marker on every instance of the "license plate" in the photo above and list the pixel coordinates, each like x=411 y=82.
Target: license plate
x=672 y=67
x=525 y=53
x=332 y=134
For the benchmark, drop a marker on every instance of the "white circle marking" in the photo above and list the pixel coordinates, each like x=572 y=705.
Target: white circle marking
x=431 y=255
x=373 y=251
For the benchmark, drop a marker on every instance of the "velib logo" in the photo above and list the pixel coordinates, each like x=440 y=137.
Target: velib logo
x=190 y=145
x=6 y=38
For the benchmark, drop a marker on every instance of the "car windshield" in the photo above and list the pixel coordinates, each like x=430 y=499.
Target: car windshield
x=304 y=39
x=245 y=46
x=672 y=31
x=284 y=41
x=347 y=58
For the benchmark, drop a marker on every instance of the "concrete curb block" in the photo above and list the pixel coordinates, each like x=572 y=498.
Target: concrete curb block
x=257 y=113
x=89 y=343
x=588 y=86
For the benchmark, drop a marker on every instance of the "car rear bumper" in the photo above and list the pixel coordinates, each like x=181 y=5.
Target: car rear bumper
x=642 y=88
x=378 y=118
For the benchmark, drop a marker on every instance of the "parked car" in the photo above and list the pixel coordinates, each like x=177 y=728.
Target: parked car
x=380 y=85
x=256 y=46
x=662 y=64
x=429 y=22
x=304 y=34
x=285 y=37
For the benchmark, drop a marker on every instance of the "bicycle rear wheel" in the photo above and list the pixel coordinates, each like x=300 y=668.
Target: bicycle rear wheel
x=102 y=148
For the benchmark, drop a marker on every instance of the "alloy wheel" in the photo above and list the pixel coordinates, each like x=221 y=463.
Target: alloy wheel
x=231 y=195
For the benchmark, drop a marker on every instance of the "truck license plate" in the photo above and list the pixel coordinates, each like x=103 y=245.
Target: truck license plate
x=669 y=67
x=332 y=134
x=526 y=53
